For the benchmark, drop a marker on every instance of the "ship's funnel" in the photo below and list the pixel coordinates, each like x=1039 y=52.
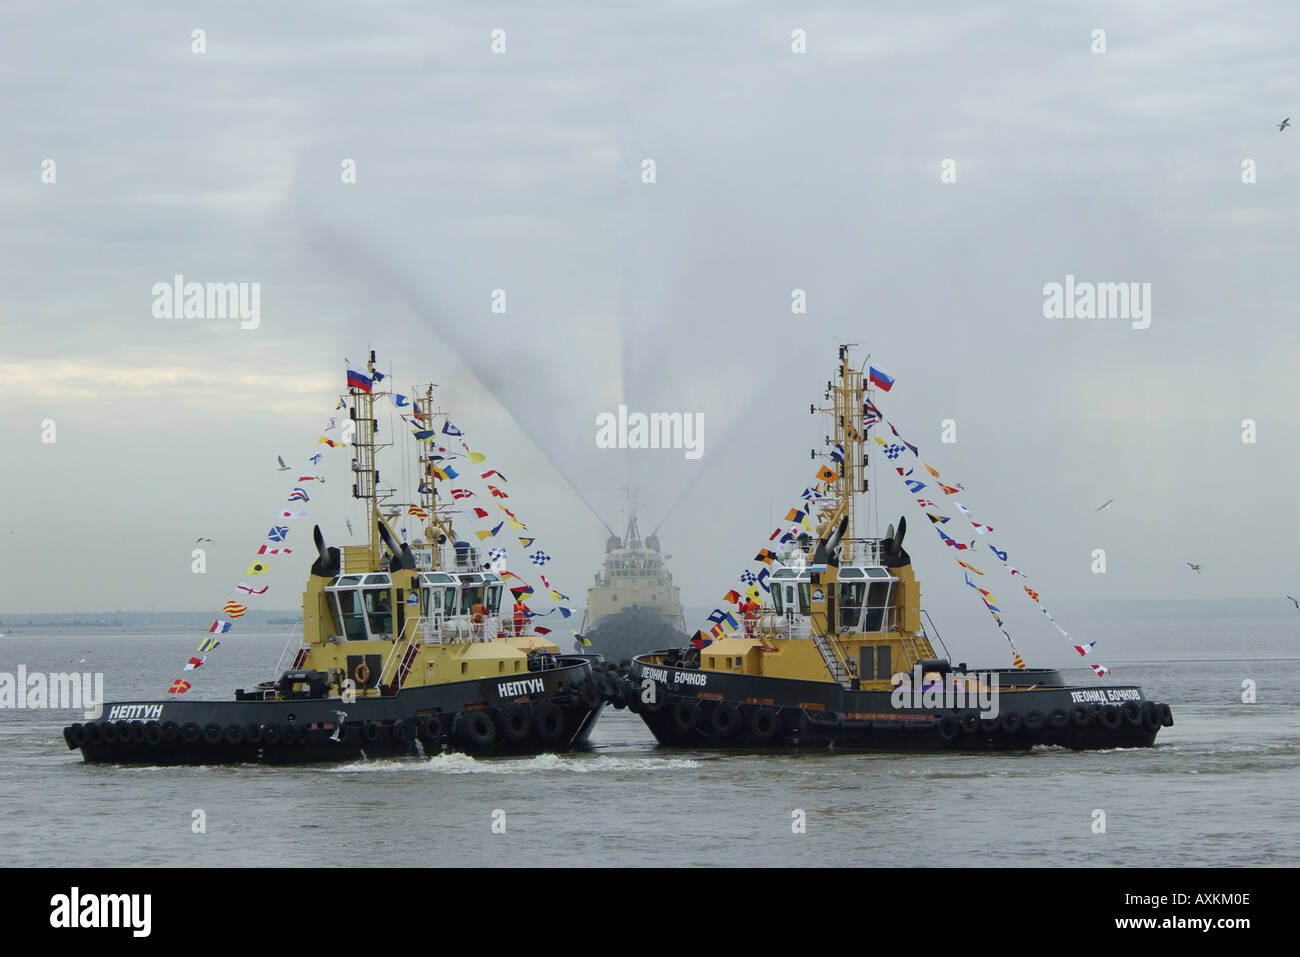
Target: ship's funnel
x=892 y=554
x=327 y=563
x=828 y=548
x=402 y=555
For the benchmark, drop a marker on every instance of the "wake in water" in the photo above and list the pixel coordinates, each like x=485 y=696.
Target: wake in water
x=457 y=763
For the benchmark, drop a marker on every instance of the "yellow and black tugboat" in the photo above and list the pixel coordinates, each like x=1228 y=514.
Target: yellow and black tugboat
x=404 y=651
x=832 y=649
x=633 y=606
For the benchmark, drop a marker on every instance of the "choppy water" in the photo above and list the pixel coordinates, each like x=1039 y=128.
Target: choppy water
x=1220 y=789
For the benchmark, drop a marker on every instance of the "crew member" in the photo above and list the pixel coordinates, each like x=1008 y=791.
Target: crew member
x=749 y=612
x=477 y=615
x=521 y=616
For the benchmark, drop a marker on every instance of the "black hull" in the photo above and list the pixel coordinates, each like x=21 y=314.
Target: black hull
x=781 y=712
x=539 y=712
x=623 y=636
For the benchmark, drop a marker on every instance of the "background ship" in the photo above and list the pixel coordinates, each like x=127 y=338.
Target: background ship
x=633 y=607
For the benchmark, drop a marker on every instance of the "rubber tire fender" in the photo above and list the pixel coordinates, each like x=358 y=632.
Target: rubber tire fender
x=514 y=722
x=93 y=734
x=153 y=734
x=271 y=734
x=253 y=733
x=1081 y=715
x=765 y=724
x=402 y=732
x=686 y=715
x=1035 y=721
x=1109 y=717
x=548 y=723
x=1166 y=716
x=1132 y=712
x=948 y=727
x=475 y=728
x=725 y=720
x=212 y=733
x=1151 y=715
x=1059 y=719
x=370 y=732
x=589 y=694
x=75 y=735
x=1011 y=722
x=191 y=733
x=170 y=731
x=233 y=734
x=969 y=721
x=431 y=729
x=662 y=699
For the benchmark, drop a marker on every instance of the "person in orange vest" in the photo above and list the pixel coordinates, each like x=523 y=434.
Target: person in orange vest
x=749 y=612
x=477 y=614
x=521 y=616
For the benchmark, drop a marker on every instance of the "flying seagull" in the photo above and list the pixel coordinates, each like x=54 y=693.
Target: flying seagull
x=283 y=467
x=348 y=522
x=1194 y=567
x=1106 y=506
x=1294 y=601
x=82 y=659
x=1284 y=124
x=197 y=540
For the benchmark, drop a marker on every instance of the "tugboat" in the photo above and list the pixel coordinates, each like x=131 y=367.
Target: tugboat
x=839 y=655
x=633 y=607
x=404 y=652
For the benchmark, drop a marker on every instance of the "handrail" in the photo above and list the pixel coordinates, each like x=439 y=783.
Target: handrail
x=284 y=652
x=946 y=652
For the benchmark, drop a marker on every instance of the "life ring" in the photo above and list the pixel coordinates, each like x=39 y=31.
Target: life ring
x=1166 y=716
x=1110 y=718
x=970 y=722
x=1034 y=721
x=271 y=734
x=686 y=715
x=253 y=734
x=1060 y=719
x=361 y=673
x=475 y=728
x=153 y=733
x=725 y=720
x=515 y=722
x=170 y=731
x=75 y=736
x=1081 y=715
x=548 y=723
x=212 y=733
x=191 y=732
x=764 y=724
x=233 y=734
x=92 y=734
x=948 y=727
x=1011 y=722
x=1132 y=712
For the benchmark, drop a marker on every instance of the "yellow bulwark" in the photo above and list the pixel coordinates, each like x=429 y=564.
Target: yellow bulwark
x=391 y=615
x=842 y=608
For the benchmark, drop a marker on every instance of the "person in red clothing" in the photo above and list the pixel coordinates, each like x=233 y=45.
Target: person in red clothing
x=749 y=612
x=521 y=616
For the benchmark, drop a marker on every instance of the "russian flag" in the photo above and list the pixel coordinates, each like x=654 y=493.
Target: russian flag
x=881 y=379
x=358 y=380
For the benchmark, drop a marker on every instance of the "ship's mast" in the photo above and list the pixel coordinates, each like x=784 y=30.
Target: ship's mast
x=847 y=400
x=365 y=485
x=439 y=524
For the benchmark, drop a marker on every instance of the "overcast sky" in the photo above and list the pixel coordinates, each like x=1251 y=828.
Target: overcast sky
x=775 y=171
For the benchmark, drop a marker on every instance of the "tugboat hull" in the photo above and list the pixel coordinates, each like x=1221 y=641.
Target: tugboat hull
x=694 y=708
x=548 y=711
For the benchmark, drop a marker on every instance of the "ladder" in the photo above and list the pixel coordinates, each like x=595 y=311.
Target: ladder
x=835 y=663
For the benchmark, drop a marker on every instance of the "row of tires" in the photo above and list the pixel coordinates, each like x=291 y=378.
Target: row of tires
x=727 y=719
x=513 y=723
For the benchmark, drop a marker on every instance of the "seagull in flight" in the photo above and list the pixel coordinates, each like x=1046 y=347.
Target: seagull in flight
x=1294 y=601
x=1284 y=124
x=348 y=522
x=1194 y=567
x=197 y=540
x=283 y=467
x=82 y=659
x=1101 y=508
